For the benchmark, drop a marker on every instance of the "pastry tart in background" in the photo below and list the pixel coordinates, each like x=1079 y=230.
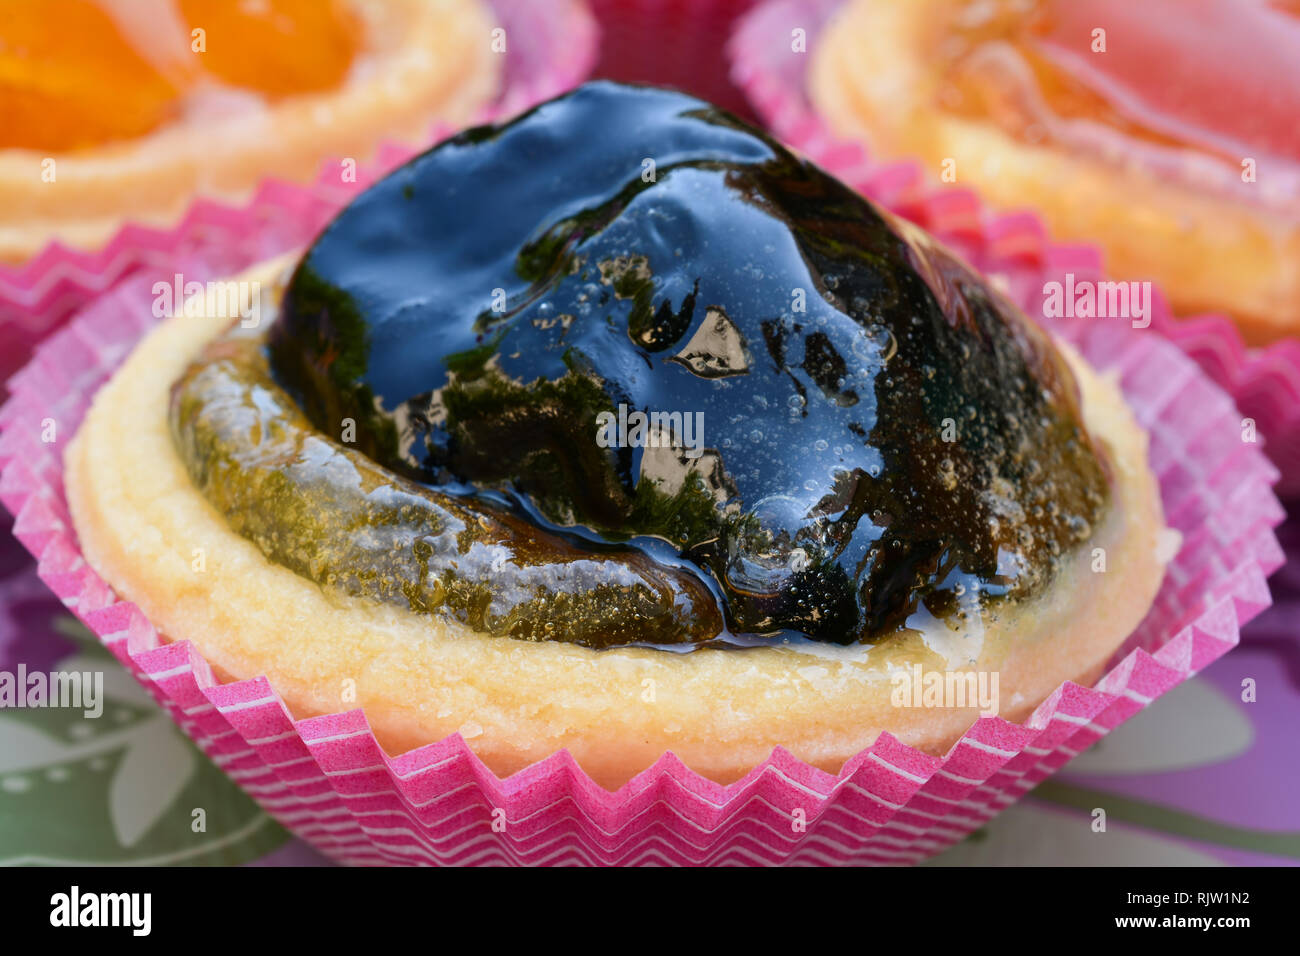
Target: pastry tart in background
x=117 y=111
x=1164 y=130
x=619 y=428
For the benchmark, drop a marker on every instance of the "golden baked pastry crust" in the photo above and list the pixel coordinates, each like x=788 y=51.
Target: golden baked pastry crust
x=872 y=78
x=422 y=61
x=142 y=524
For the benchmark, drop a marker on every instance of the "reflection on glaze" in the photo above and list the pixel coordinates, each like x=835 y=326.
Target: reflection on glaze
x=887 y=441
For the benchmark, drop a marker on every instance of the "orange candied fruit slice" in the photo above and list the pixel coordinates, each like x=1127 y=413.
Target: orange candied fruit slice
x=69 y=79
x=1219 y=75
x=80 y=73
x=277 y=47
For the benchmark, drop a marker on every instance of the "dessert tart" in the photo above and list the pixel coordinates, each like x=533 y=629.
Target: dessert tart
x=1104 y=117
x=619 y=428
x=115 y=111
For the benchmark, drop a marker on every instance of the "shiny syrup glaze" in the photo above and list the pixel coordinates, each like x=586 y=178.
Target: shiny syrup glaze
x=904 y=449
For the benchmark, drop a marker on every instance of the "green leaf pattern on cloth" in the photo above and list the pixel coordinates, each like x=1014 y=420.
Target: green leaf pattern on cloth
x=122 y=788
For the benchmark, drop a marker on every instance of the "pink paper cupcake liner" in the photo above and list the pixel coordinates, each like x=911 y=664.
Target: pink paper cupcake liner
x=551 y=47
x=1264 y=382
x=327 y=779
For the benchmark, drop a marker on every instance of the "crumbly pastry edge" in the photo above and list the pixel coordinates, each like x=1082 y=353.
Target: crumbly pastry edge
x=436 y=65
x=145 y=528
x=870 y=80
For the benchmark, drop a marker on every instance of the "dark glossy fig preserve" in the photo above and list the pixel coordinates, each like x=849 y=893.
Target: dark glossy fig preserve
x=629 y=331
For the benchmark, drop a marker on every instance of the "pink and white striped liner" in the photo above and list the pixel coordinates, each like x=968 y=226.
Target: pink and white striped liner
x=327 y=780
x=1264 y=383
x=550 y=48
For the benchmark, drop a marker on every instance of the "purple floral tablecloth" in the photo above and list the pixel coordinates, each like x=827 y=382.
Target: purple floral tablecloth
x=1208 y=775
